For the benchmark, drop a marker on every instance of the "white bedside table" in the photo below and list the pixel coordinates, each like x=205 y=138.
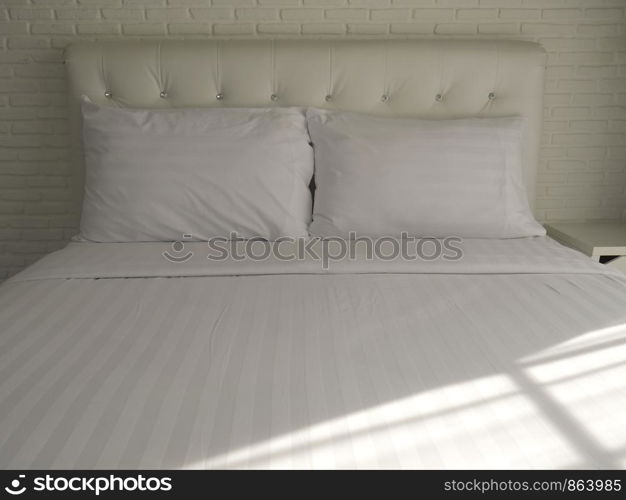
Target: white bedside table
x=603 y=241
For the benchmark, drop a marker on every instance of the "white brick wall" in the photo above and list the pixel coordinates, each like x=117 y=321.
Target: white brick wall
x=583 y=160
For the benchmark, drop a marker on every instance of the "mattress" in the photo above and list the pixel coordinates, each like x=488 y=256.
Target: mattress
x=513 y=356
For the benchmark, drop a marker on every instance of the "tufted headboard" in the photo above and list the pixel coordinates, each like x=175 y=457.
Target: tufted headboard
x=421 y=78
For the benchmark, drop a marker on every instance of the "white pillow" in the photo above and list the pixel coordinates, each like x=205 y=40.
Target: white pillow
x=157 y=175
x=428 y=178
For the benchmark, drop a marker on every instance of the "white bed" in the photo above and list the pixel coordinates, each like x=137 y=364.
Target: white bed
x=512 y=357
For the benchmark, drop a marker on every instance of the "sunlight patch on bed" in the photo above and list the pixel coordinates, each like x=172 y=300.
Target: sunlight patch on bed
x=587 y=377
x=593 y=340
x=487 y=422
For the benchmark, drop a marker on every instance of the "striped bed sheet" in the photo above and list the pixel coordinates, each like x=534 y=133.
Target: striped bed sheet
x=512 y=357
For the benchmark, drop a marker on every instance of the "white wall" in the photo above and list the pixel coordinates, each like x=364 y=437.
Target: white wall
x=583 y=161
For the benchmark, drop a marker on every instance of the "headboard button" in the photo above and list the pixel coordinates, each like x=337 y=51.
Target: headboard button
x=328 y=98
x=438 y=98
x=384 y=98
x=219 y=96
x=274 y=97
x=491 y=96
x=108 y=94
x=163 y=94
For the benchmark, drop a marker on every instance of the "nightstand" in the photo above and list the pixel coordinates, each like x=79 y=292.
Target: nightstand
x=604 y=242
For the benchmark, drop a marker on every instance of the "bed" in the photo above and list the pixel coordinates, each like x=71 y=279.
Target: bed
x=512 y=357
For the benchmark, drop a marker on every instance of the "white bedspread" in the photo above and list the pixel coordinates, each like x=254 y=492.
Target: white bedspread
x=514 y=356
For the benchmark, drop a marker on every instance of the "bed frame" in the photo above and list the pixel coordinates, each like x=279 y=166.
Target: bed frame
x=420 y=78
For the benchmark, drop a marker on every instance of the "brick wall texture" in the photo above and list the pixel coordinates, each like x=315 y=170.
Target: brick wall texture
x=583 y=157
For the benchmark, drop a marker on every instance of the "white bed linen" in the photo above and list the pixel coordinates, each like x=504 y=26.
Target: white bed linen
x=159 y=174
x=514 y=356
x=378 y=176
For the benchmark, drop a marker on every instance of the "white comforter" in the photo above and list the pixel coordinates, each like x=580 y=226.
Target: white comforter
x=514 y=356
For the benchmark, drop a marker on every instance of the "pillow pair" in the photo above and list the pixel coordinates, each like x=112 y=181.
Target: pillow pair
x=159 y=175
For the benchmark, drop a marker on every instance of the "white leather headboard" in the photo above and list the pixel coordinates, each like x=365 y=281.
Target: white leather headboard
x=422 y=78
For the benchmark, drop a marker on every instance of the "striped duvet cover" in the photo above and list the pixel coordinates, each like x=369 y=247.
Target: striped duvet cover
x=512 y=357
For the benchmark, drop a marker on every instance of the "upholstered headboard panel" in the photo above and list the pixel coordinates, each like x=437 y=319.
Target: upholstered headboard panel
x=421 y=78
